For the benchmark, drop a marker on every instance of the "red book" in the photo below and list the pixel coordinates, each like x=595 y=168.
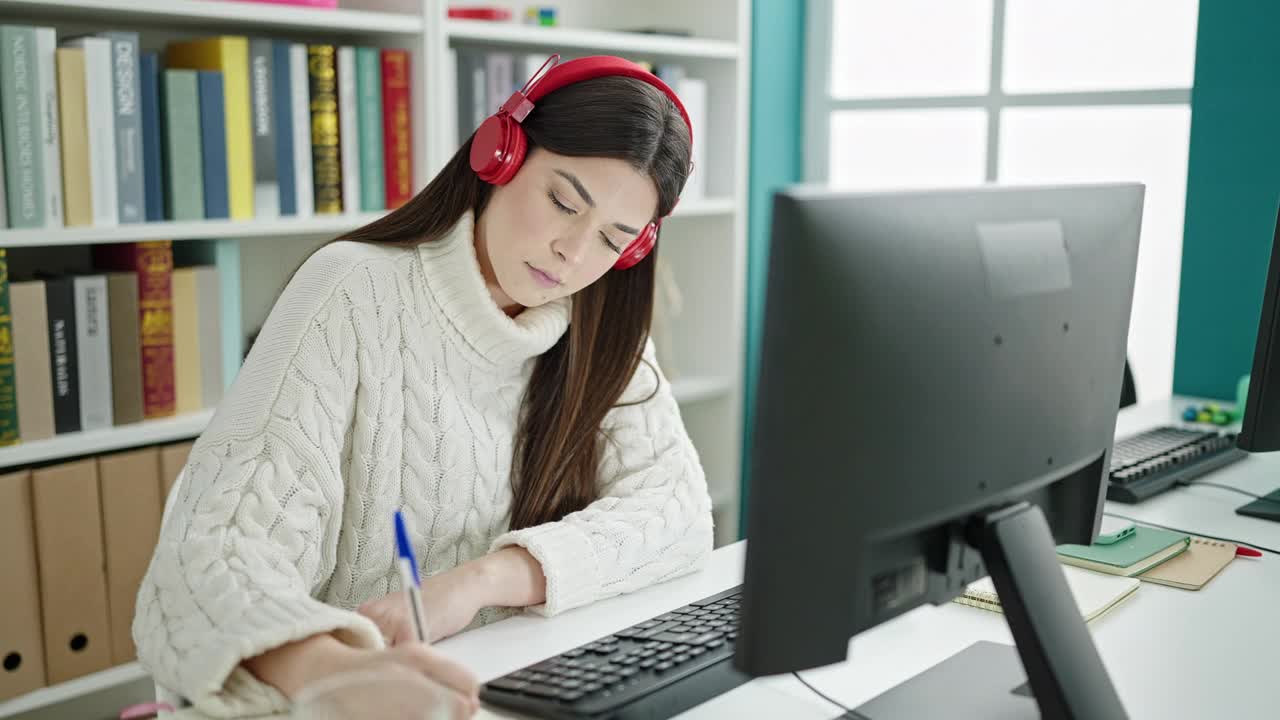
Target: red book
x=153 y=262
x=397 y=136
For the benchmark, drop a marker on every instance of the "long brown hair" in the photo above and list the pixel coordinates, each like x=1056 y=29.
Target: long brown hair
x=575 y=383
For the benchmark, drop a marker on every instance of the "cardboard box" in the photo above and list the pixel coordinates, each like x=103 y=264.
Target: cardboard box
x=21 y=642
x=130 y=493
x=73 y=585
x=172 y=459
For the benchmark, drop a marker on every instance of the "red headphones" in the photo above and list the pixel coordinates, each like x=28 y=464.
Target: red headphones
x=499 y=145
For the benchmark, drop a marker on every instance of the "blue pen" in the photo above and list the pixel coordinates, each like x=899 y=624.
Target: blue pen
x=409 y=578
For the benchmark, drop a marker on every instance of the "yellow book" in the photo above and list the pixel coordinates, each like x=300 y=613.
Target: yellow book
x=188 y=390
x=230 y=56
x=73 y=119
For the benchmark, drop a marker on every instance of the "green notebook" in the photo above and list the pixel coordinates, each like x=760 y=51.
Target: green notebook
x=1129 y=556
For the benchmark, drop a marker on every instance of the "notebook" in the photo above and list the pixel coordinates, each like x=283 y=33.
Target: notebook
x=1094 y=593
x=1146 y=548
x=1194 y=568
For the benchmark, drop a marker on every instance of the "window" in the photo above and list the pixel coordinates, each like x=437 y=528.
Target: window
x=916 y=93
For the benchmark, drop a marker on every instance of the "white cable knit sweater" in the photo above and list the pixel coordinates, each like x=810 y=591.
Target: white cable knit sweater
x=386 y=378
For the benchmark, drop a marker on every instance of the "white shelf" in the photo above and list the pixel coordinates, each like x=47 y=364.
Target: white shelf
x=92 y=442
x=188 y=230
x=72 y=689
x=704 y=207
x=204 y=14
x=695 y=389
x=504 y=33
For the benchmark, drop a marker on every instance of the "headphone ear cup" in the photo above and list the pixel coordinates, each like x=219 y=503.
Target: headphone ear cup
x=639 y=248
x=516 y=147
x=497 y=145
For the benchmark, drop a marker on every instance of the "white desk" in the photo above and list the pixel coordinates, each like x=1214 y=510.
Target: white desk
x=1171 y=653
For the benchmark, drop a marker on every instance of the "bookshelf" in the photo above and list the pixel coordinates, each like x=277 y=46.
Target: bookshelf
x=703 y=243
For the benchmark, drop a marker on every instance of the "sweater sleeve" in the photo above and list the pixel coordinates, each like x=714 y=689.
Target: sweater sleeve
x=253 y=530
x=653 y=519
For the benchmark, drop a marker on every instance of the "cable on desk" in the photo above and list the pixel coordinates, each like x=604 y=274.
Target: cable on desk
x=1191 y=532
x=1246 y=493
x=848 y=710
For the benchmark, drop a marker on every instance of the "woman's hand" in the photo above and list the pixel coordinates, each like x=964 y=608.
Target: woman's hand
x=450 y=601
x=410 y=681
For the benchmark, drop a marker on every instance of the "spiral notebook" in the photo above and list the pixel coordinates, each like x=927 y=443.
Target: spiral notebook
x=1193 y=569
x=1094 y=593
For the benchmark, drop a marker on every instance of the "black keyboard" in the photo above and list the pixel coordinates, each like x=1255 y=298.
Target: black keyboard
x=1158 y=459
x=655 y=669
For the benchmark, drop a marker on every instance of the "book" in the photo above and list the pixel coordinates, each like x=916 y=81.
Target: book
x=152 y=158
x=282 y=116
x=183 y=153
x=4 y=198
x=50 y=133
x=373 y=192
x=300 y=104
x=31 y=360
x=73 y=117
x=348 y=129
x=266 y=178
x=1146 y=548
x=128 y=124
x=187 y=353
x=397 y=134
x=213 y=146
x=129 y=487
x=1093 y=592
x=693 y=95
x=153 y=263
x=93 y=349
x=499 y=77
x=209 y=311
x=100 y=117
x=230 y=56
x=64 y=364
x=126 y=347
x=322 y=73
x=1193 y=569
x=20 y=118
x=8 y=379
x=473 y=93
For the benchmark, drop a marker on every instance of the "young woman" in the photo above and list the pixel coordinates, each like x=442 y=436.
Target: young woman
x=478 y=359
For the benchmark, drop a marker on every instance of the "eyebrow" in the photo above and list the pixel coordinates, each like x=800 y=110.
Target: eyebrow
x=586 y=196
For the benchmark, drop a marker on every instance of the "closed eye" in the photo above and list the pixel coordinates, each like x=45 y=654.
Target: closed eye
x=609 y=242
x=563 y=208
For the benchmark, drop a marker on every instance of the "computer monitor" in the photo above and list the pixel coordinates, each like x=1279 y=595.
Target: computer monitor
x=1260 y=429
x=937 y=402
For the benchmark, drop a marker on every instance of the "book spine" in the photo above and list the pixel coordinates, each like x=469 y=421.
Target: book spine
x=4 y=200
x=93 y=349
x=100 y=113
x=126 y=347
x=300 y=104
x=213 y=145
x=50 y=135
x=184 y=181
x=188 y=390
x=348 y=129
x=152 y=158
x=60 y=306
x=8 y=380
x=154 y=265
x=20 y=115
x=73 y=114
x=128 y=119
x=322 y=71
x=499 y=71
x=373 y=195
x=31 y=360
x=266 y=178
x=282 y=103
x=396 y=132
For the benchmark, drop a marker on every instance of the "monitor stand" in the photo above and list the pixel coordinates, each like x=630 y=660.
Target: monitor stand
x=1267 y=508
x=1058 y=659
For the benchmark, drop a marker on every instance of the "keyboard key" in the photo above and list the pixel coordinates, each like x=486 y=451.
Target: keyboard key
x=571 y=695
x=653 y=644
x=731 y=635
x=571 y=673
x=609 y=679
x=609 y=649
x=648 y=663
x=522 y=675
x=545 y=665
x=646 y=653
x=681 y=658
x=662 y=667
x=632 y=633
x=576 y=652
x=649 y=623
x=680 y=629
x=609 y=668
x=665 y=655
x=541 y=690
x=628 y=661
x=571 y=684
x=539 y=677
x=670 y=616
x=508 y=684
x=674 y=637
x=696 y=650
x=590 y=687
x=627 y=672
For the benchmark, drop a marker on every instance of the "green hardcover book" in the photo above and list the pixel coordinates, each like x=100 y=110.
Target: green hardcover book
x=373 y=195
x=1128 y=553
x=183 y=169
x=20 y=114
x=8 y=380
